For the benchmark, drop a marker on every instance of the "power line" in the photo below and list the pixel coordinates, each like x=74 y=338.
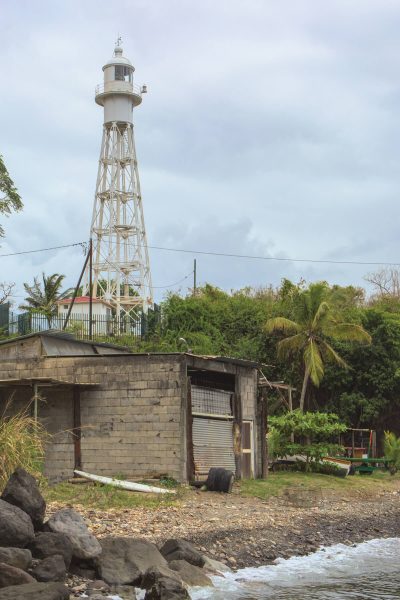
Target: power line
x=82 y=244
x=254 y=257
x=225 y=254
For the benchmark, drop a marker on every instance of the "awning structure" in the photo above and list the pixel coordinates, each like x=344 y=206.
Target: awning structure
x=44 y=382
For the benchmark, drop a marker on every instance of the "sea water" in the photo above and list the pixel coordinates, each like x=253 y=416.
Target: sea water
x=367 y=571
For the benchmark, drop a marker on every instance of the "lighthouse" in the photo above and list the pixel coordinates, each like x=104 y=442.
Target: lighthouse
x=120 y=261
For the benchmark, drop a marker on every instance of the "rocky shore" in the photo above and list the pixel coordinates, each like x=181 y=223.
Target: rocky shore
x=245 y=531
x=68 y=551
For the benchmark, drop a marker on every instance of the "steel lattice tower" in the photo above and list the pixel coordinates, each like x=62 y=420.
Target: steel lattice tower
x=121 y=268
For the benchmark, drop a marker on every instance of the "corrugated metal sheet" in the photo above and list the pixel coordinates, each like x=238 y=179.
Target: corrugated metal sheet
x=212 y=445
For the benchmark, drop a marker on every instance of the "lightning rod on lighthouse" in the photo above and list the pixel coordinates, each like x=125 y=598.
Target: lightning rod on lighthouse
x=121 y=268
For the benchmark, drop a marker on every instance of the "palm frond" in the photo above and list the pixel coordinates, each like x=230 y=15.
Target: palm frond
x=313 y=362
x=348 y=332
x=320 y=314
x=291 y=345
x=331 y=355
x=281 y=324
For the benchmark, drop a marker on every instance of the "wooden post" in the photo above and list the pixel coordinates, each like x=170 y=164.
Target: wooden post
x=35 y=402
x=77 y=428
x=189 y=434
x=264 y=431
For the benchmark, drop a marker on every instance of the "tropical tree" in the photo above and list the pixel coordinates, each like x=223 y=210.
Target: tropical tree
x=43 y=295
x=317 y=323
x=9 y=198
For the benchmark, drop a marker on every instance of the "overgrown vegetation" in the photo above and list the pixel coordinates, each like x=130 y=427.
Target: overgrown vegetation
x=313 y=435
x=22 y=441
x=392 y=448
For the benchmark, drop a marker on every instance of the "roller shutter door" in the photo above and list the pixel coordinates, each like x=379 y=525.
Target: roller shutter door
x=212 y=445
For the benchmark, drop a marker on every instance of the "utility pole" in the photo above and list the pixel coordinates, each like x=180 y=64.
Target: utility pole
x=194 y=277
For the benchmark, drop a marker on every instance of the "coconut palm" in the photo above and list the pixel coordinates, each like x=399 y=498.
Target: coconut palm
x=42 y=296
x=316 y=323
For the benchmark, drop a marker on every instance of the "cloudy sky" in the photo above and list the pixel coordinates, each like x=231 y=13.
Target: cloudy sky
x=270 y=128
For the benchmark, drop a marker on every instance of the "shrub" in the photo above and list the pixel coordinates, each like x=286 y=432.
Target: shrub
x=22 y=441
x=392 y=448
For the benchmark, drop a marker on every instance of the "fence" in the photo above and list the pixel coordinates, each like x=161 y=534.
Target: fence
x=105 y=328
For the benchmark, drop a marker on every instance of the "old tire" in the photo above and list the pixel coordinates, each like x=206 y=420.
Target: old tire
x=213 y=479
x=220 y=480
x=226 y=482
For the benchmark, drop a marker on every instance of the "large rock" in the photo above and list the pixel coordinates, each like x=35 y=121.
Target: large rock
x=16 y=527
x=215 y=566
x=190 y=574
x=167 y=589
x=48 y=543
x=51 y=568
x=125 y=560
x=35 y=591
x=13 y=576
x=176 y=549
x=69 y=522
x=16 y=557
x=23 y=491
x=153 y=574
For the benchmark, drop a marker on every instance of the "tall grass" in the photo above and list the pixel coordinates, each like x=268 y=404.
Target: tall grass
x=22 y=443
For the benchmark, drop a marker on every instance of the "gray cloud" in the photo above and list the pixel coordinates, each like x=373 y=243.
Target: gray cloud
x=269 y=128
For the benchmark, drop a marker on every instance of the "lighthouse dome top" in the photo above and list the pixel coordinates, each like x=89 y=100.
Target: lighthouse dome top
x=118 y=59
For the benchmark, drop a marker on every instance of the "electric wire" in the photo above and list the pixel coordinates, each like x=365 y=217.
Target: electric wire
x=81 y=244
x=84 y=245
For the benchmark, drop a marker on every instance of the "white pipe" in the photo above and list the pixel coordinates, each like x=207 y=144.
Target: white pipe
x=125 y=485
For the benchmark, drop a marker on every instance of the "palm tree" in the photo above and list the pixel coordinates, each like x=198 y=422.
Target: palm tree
x=316 y=323
x=42 y=296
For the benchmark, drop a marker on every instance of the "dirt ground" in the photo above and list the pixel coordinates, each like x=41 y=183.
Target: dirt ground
x=248 y=531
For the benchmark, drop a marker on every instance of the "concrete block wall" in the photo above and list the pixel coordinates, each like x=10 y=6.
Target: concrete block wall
x=132 y=425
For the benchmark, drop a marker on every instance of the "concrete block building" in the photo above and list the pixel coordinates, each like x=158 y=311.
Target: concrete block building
x=110 y=411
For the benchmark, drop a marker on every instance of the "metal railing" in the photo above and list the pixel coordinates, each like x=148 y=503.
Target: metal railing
x=103 y=327
x=118 y=86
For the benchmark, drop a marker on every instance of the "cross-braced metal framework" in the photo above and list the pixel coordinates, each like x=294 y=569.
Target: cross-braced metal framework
x=121 y=268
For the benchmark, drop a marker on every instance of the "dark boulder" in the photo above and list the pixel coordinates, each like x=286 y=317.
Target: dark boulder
x=70 y=523
x=153 y=574
x=51 y=568
x=13 y=576
x=125 y=560
x=176 y=549
x=190 y=574
x=16 y=557
x=35 y=591
x=23 y=491
x=16 y=527
x=167 y=589
x=47 y=543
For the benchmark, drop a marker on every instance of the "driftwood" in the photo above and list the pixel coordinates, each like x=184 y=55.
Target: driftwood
x=124 y=485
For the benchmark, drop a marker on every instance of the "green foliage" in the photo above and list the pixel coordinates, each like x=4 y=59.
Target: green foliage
x=392 y=448
x=42 y=296
x=10 y=200
x=309 y=434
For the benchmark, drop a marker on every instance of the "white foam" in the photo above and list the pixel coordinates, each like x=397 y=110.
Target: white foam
x=327 y=564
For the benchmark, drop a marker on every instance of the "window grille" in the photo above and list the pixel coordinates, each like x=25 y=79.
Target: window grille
x=209 y=401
